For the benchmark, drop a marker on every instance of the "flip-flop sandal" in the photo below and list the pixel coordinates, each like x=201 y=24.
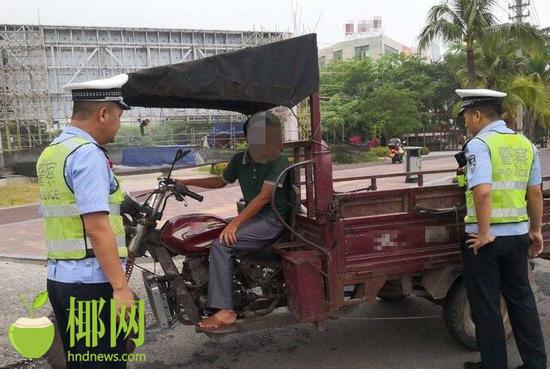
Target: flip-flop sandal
x=213 y=325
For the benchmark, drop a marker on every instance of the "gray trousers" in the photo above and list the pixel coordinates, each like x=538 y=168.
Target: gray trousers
x=254 y=234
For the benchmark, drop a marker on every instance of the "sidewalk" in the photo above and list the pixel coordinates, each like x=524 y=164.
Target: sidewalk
x=22 y=229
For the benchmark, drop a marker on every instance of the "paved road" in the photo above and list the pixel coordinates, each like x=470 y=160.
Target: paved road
x=356 y=342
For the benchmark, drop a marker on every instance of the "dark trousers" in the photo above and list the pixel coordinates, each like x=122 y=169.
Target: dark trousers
x=59 y=295
x=501 y=268
x=254 y=234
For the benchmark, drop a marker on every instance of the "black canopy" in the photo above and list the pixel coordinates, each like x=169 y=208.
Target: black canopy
x=249 y=80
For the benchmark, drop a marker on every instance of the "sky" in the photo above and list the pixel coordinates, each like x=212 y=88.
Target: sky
x=402 y=20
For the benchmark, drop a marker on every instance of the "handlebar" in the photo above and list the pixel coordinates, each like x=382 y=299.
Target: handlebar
x=183 y=190
x=179 y=189
x=151 y=211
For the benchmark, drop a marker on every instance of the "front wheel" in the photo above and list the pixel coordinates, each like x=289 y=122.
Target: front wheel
x=458 y=318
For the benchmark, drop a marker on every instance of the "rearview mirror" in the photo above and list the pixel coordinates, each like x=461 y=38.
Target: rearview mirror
x=180 y=154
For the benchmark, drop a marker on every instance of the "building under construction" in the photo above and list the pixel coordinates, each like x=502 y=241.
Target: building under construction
x=35 y=61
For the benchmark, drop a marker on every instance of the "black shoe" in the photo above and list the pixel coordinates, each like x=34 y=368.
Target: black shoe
x=473 y=365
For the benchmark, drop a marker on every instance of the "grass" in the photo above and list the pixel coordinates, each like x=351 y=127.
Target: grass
x=204 y=169
x=21 y=194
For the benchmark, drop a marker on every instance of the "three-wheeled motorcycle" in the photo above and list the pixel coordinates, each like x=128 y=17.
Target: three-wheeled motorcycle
x=340 y=249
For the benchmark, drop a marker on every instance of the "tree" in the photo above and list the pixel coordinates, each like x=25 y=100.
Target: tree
x=351 y=91
x=535 y=96
x=391 y=112
x=466 y=21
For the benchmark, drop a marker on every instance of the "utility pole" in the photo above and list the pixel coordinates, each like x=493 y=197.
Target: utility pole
x=519 y=7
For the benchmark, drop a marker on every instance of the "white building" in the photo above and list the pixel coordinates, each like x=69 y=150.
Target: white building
x=368 y=47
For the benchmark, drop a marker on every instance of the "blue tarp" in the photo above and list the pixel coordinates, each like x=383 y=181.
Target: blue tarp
x=153 y=156
x=227 y=127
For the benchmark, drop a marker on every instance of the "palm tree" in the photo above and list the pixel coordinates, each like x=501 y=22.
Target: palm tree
x=466 y=21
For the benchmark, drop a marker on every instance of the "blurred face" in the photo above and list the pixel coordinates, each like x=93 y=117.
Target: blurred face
x=264 y=140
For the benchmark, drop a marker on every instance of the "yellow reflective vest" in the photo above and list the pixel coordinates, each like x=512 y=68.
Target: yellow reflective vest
x=65 y=233
x=512 y=156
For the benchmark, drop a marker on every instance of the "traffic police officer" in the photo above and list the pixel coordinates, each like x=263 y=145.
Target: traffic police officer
x=80 y=202
x=503 y=229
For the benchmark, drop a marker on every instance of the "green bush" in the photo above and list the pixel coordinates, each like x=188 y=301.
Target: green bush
x=380 y=151
x=342 y=157
x=368 y=156
x=217 y=169
x=350 y=158
x=241 y=146
x=424 y=151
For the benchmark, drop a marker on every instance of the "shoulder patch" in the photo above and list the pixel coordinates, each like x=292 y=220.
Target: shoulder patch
x=472 y=163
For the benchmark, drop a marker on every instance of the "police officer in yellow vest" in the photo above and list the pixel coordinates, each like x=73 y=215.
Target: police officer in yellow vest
x=503 y=229
x=80 y=202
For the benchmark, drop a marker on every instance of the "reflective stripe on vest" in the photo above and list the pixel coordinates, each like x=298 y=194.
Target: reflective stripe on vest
x=75 y=246
x=71 y=210
x=512 y=156
x=501 y=213
x=509 y=185
x=64 y=228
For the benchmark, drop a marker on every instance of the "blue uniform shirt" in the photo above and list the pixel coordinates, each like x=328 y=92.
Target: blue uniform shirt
x=88 y=173
x=480 y=172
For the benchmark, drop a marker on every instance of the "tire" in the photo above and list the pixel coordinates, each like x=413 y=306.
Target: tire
x=458 y=319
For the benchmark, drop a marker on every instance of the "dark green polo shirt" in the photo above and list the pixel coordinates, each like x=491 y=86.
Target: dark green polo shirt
x=252 y=176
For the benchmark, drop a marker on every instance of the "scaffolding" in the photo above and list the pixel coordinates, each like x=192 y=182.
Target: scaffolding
x=25 y=116
x=35 y=61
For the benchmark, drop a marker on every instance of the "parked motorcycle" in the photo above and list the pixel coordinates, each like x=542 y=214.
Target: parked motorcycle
x=180 y=293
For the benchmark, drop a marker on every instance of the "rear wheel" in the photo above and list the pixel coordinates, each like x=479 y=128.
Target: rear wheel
x=458 y=318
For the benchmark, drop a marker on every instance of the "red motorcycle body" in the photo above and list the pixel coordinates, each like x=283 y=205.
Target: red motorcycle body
x=191 y=234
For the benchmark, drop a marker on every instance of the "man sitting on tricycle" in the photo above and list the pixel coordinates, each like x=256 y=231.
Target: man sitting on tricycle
x=256 y=227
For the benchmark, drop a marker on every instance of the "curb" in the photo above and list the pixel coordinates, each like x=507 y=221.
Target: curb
x=19 y=206
x=23 y=258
